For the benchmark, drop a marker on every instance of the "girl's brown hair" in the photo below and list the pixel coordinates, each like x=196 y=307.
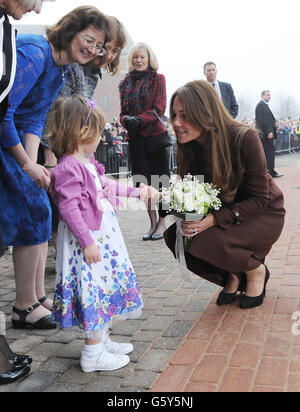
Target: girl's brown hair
x=61 y=34
x=119 y=35
x=204 y=109
x=65 y=126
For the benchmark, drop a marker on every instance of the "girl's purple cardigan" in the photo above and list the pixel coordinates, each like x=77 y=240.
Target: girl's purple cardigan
x=74 y=192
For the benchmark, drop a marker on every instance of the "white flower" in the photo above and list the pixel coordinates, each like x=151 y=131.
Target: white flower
x=189 y=195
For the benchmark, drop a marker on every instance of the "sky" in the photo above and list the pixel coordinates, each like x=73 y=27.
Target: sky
x=254 y=43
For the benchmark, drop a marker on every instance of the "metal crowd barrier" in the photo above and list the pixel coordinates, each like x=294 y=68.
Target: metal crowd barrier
x=116 y=159
x=287 y=144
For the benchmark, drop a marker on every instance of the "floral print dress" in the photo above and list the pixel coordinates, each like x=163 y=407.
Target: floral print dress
x=91 y=296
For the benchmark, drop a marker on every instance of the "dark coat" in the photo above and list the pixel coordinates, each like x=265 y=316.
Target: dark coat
x=142 y=163
x=156 y=99
x=236 y=248
x=265 y=121
x=228 y=98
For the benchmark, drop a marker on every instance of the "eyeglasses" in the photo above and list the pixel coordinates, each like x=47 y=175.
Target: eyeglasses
x=100 y=50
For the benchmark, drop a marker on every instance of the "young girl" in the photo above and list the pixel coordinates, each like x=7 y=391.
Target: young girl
x=83 y=80
x=95 y=280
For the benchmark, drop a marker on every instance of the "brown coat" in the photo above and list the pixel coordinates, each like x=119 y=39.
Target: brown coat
x=235 y=248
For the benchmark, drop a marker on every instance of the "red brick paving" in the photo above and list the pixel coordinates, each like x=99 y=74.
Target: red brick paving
x=230 y=350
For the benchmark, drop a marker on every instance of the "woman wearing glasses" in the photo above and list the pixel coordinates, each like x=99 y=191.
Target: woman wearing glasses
x=25 y=211
x=83 y=80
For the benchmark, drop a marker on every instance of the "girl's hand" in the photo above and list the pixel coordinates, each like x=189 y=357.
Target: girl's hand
x=192 y=229
x=92 y=254
x=39 y=174
x=149 y=195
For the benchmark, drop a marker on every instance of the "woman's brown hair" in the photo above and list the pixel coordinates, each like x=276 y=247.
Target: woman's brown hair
x=204 y=109
x=61 y=34
x=118 y=34
x=66 y=124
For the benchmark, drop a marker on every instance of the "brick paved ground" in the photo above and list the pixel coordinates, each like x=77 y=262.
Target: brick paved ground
x=183 y=341
x=248 y=351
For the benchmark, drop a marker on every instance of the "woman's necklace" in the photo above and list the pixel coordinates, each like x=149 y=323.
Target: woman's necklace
x=64 y=68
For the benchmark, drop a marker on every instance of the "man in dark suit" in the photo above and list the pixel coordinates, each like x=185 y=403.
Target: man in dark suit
x=266 y=124
x=223 y=89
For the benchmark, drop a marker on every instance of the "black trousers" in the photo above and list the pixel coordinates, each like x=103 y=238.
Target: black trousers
x=269 y=148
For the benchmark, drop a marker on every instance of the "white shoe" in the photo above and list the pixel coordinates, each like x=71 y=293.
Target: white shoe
x=104 y=361
x=118 y=348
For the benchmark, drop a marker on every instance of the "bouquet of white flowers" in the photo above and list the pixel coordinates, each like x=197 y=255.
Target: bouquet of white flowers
x=189 y=199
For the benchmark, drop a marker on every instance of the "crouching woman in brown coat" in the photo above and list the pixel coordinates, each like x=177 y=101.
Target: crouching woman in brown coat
x=229 y=246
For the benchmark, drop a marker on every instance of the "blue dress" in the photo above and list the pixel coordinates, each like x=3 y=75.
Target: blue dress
x=25 y=213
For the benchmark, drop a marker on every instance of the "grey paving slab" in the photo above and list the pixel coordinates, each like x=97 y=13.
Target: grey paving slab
x=140 y=379
x=155 y=360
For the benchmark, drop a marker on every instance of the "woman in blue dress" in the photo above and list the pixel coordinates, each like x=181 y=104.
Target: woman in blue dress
x=25 y=214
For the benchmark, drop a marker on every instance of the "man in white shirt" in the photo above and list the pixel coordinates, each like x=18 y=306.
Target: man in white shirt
x=223 y=89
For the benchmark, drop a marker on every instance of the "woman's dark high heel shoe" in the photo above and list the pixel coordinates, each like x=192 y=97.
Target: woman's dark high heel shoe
x=9 y=371
x=148 y=236
x=248 y=302
x=157 y=237
x=226 y=298
x=20 y=361
x=43 y=323
x=13 y=375
x=16 y=361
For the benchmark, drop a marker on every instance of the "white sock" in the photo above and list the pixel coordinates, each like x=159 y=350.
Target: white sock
x=105 y=334
x=92 y=350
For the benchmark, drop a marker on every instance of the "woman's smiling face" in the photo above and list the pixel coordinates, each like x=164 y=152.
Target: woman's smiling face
x=140 y=60
x=185 y=131
x=85 y=45
x=112 y=51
